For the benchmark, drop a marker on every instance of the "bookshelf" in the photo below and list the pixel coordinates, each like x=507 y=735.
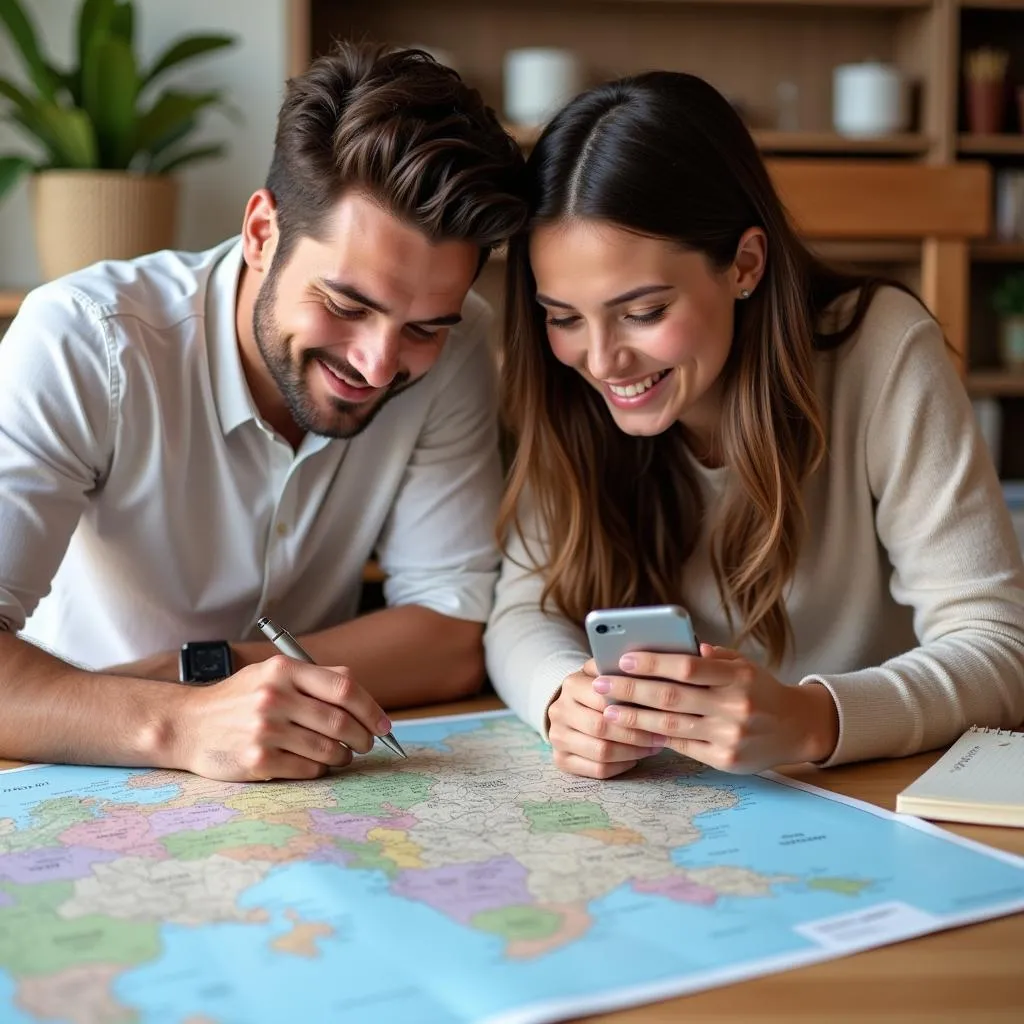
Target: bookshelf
x=995 y=383
x=746 y=48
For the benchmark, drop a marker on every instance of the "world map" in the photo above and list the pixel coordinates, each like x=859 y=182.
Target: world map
x=472 y=882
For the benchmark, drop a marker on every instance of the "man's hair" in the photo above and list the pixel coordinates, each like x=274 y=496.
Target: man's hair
x=406 y=131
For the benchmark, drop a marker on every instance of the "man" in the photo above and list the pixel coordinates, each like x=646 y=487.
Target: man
x=191 y=441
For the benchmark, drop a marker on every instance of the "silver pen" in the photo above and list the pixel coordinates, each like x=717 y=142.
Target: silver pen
x=287 y=644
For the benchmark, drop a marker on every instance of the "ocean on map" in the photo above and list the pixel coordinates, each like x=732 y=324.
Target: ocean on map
x=781 y=829
x=239 y=972
x=9 y=1012
x=20 y=791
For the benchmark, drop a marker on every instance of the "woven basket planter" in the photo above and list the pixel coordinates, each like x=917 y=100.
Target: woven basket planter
x=85 y=216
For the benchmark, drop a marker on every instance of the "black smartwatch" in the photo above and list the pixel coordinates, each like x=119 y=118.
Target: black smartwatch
x=202 y=662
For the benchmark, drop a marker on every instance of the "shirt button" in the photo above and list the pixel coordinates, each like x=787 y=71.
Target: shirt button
x=282 y=529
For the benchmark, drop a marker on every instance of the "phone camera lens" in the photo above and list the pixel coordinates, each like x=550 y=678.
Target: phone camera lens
x=602 y=628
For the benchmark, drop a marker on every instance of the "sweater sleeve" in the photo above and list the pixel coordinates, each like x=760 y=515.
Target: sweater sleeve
x=941 y=517
x=529 y=650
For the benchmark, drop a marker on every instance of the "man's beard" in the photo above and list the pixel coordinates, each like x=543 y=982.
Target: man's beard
x=350 y=418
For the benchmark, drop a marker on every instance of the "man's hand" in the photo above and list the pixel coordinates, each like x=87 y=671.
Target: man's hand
x=584 y=740
x=279 y=718
x=722 y=709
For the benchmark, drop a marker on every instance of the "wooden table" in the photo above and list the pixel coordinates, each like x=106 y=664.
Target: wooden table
x=963 y=976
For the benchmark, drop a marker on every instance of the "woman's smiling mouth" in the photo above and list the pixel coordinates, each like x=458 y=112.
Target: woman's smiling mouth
x=637 y=392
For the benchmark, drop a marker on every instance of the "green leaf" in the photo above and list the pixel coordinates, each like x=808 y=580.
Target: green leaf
x=27 y=115
x=110 y=85
x=186 y=49
x=64 y=79
x=66 y=133
x=11 y=170
x=15 y=95
x=122 y=22
x=188 y=156
x=165 y=120
x=184 y=128
x=23 y=35
x=75 y=133
x=93 y=19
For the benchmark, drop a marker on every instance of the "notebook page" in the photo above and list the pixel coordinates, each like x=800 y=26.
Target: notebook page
x=983 y=766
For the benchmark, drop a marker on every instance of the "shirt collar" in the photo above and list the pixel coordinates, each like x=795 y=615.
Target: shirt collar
x=230 y=389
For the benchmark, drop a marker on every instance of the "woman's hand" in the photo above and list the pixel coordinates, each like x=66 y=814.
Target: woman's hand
x=585 y=741
x=721 y=709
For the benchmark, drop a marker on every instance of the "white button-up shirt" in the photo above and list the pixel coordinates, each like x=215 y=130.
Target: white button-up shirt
x=143 y=502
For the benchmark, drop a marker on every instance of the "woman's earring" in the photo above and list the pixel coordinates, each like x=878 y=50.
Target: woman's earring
x=744 y=293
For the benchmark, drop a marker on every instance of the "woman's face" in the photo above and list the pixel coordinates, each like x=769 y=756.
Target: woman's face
x=647 y=324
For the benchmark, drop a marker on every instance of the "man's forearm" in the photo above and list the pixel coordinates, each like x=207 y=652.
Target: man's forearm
x=404 y=656
x=50 y=711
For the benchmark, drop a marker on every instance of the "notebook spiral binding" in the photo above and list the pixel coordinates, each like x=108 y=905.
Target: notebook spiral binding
x=995 y=732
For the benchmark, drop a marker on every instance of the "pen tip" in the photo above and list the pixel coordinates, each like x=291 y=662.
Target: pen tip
x=393 y=745
x=262 y=621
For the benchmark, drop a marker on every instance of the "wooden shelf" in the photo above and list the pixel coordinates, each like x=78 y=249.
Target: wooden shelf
x=868 y=252
x=993 y=5
x=886 y=5
x=1005 y=144
x=890 y=5
x=907 y=143
x=832 y=142
x=995 y=383
x=10 y=303
x=997 y=252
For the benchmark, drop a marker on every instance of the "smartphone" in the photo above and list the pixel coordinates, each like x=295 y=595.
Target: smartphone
x=661 y=629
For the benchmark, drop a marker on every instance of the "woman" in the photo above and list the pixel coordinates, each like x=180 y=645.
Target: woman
x=706 y=414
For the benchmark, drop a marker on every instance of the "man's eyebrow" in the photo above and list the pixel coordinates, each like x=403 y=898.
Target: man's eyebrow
x=633 y=293
x=353 y=293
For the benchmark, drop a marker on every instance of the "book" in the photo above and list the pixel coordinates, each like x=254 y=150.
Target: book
x=979 y=780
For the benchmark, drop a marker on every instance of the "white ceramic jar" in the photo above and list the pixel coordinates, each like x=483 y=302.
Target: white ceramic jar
x=538 y=81
x=868 y=100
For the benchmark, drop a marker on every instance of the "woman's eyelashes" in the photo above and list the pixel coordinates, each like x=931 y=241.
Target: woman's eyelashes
x=651 y=316
x=641 y=319
x=562 y=321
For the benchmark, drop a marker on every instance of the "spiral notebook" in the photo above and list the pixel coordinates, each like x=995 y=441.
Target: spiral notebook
x=980 y=780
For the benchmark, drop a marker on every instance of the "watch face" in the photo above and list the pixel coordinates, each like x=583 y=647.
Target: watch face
x=207 y=661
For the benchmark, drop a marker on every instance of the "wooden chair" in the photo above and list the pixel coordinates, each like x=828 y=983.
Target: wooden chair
x=941 y=207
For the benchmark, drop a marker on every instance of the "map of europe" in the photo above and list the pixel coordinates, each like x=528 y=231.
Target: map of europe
x=472 y=882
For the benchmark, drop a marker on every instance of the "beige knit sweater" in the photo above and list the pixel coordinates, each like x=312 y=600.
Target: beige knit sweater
x=908 y=599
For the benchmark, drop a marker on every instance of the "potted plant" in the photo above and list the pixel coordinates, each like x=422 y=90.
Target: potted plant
x=108 y=140
x=1008 y=302
x=985 y=77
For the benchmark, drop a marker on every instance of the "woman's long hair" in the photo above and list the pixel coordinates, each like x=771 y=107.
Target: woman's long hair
x=665 y=155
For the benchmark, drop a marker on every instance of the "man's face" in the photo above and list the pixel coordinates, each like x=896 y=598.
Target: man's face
x=346 y=322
